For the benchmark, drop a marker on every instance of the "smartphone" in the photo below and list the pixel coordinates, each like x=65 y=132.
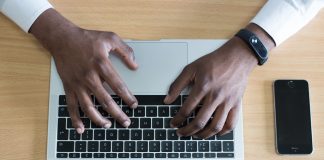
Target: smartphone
x=292 y=117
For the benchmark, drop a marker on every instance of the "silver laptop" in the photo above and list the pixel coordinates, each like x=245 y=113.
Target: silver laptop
x=149 y=136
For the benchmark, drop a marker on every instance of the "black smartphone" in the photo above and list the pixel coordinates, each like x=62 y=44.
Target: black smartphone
x=292 y=117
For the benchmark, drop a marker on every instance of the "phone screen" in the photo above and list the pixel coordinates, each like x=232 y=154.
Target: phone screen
x=293 y=117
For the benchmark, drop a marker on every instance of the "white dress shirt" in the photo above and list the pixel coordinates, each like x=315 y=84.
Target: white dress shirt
x=279 y=18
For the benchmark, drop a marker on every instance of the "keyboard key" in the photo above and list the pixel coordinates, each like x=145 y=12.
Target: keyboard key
x=228 y=146
x=123 y=134
x=86 y=122
x=74 y=135
x=118 y=125
x=61 y=155
x=191 y=146
x=179 y=146
x=123 y=155
x=74 y=155
x=62 y=133
x=65 y=146
x=139 y=112
x=157 y=122
x=93 y=146
x=87 y=134
x=148 y=134
x=105 y=146
x=117 y=146
x=163 y=111
x=210 y=155
x=185 y=155
x=154 y=146
x=173 y=155
x=215 y=146
x=172 y=135
x=111 y=155
x=142 y=146
x=62 y=100
x=111 y=134
x=63 y=112
x=99 y=134
x=145 y=122
x=167 y=122
x=98 y=155
x=203 y=146
x=174 y=111
x=160 y=155
x=185 y=138
x=225 y=155
x=86 y=155
x=95 y=126
x=117 y=100
x=136 y=134
x=136 y=155
x=130 y=146
x=211 y=137
x=148 y=155
x=228 y=136
x=166 y=146
x=128 y=111
x=160 y=134
x=69 y=123
x=102 y=111
x=197 y=155
x=134 y=123
x=80 y=146
x=151 y=111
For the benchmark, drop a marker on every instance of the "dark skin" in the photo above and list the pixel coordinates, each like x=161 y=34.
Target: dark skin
x=81 y=57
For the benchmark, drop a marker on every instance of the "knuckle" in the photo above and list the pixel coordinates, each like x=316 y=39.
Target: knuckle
x=120 y=89
x=204 y=86
x=112 y=36
x=86 y=109
x=186 y=69
x=229 y=126
x=199 y=124
x=217 y=128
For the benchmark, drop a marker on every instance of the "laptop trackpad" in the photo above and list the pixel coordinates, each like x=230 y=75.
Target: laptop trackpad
x=159 y=64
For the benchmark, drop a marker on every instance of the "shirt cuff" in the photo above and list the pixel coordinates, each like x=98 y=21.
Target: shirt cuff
x=283 y=18
x=24 y=12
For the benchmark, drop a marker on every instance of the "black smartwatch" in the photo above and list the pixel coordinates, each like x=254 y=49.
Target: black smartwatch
x=255 y=44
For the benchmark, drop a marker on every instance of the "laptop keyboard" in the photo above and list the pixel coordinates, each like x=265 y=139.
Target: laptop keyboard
x=148 y=136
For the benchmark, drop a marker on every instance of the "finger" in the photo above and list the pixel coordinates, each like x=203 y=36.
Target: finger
x=178 y=85
x=194 y=98
x=109 y=74
x=123 y=51
x=73 y=109
x=200 y=121
x=231 y=120
x=89 y=110
x=216 y=124
x=108 y=104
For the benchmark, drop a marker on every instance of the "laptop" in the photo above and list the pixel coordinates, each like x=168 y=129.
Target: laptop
x=149 y=135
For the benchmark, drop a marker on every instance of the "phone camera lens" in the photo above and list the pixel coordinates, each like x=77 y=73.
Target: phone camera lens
x=291 y=84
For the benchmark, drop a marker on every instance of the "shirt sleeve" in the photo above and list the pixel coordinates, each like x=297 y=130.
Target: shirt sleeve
x=283 y=18
x=24 y=12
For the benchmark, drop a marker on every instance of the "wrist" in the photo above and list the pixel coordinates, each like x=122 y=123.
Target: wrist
x=51 y=29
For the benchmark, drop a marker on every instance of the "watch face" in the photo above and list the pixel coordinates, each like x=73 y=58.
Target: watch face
x=258 y=47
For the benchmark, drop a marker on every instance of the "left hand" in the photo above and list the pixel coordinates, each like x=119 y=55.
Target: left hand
x=218 y=81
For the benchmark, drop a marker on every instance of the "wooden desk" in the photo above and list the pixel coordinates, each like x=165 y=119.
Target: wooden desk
x=25 y=66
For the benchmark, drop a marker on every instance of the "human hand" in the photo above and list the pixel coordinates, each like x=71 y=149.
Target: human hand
x=81 y=58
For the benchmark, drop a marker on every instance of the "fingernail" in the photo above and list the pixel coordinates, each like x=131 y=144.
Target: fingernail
x=171 y=125
x=126 y=124
x=134 y=105
x=107 y=125
x=79 y=130
x=167 y=99
x=179 y=135
x=195 y=136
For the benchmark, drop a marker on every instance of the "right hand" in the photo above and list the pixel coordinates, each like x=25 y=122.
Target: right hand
x=81 y=58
